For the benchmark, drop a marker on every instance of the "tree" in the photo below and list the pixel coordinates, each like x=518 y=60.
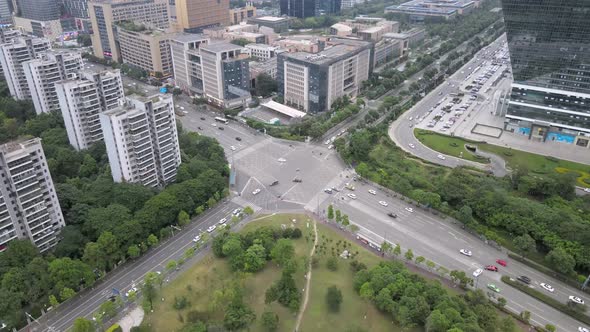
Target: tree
x=561 y=261
x=66 y=294
x=238 y=316
x=525 y=315
x=66 y=272
x=270 y=321
x=437 y=322
x=265 y=85
x=338 y=216
x=254 y=258
x=333 y=298
x=53 y=301
x=461 y=278
x=82 y=324
x=409 y=254
x=420 y=259
x=524 y=243
x=550 y=328
x=152 y=240
x=183 y=218
x=502 y=302
x=149 y=290
x=397 y=250
x=386 y=247
x=240 y=42
x=345 y=220
x=282 y=252
x=330 y=212
x=133 y=251
x=248 y=210
x=108 y=309
x=332 y=263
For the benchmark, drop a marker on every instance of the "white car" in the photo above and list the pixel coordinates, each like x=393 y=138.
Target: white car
x=237 y=211
x=211 y=228
x=412 y=146
x=353 y=196
x=214 y=124
x=411 y=118
x=281 y=160
x=197 y=239
x=327 y=142
x=587 y=190
x=576 y=299
x=409 y=209
x=372 y=192
x=222 y=221
x=583 y=329
x=383 y=203
x=255 y=192
x=441 y=157
x=330 y=147
x=547 y=287
x=233 y=148
x=466 y=252
x=477 y=272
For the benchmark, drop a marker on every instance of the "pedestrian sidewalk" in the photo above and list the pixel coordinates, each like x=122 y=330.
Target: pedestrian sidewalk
x=132 y=319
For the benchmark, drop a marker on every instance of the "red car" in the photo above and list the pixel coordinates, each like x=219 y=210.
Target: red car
x=492 y=268
x=501 y=262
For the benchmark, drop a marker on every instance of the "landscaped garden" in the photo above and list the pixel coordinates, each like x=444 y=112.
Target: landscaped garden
x=538 y=164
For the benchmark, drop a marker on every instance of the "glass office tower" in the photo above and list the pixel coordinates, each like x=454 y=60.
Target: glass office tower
x=549 y=43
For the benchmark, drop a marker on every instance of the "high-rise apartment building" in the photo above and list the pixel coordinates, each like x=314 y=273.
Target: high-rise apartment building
x=226 y=75
x=75 y=8
x=38 y=10
x=43 y=72
x=549 y=43
x=82 y=100
x=12 y=56
x=6 y=12
x=29 y=208
x=104 y=15
x=195 y=15
x=186 y=59
x=300 y=8
x=312 y=82
x=142 y=141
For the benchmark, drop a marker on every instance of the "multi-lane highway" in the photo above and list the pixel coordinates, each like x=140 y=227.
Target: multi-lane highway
x=440 y=241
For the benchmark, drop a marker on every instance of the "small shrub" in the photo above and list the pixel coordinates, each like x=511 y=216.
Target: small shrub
x=332 y=263
x=356 y=266
x=180 y=303
x=508 y=154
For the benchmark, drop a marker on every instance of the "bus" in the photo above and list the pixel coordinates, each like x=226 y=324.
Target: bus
x=222 y=120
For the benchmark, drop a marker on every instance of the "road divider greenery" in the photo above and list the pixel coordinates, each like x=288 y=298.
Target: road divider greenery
x=574 y=311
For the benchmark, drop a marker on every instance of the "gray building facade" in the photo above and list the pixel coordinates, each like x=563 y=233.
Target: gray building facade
x=549 y=43
x=39 y=10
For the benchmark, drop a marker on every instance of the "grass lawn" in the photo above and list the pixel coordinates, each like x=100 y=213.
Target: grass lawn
x=535 y=163
x=201 y=280
x=353 y=309
x=452 y=146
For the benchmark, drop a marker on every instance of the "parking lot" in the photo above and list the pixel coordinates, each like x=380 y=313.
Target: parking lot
x=475 y=90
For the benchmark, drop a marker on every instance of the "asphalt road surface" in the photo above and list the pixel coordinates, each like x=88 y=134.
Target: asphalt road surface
x=439 y=240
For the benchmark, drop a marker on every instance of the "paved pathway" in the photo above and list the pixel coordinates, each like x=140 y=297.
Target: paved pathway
x=308 y=282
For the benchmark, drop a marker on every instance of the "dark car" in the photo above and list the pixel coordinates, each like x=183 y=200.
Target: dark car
x=391 y=214
x=297 y=180
x=203 y=119
x=274 y=183
x=220 y=128
x=238 y=139
x=524 y=279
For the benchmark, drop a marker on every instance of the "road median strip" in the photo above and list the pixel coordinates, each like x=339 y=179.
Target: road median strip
x=563 y=307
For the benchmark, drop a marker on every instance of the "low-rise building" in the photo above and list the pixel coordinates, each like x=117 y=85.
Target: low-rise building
x=142 y=140
x=51 y=29
x=410 y=38
x=312 y=82
x=262 y=51
x=278 y=24
x=43 y=72
x=82 y=100
x=29 y=208
x=340 y=30
x=242 y=14
x=386 y=51
x=308 y=44
x=252 y=37
x=268 y=67
x=420 y=10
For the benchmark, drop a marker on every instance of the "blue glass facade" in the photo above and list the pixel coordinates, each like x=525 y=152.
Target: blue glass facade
x=549 y=43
